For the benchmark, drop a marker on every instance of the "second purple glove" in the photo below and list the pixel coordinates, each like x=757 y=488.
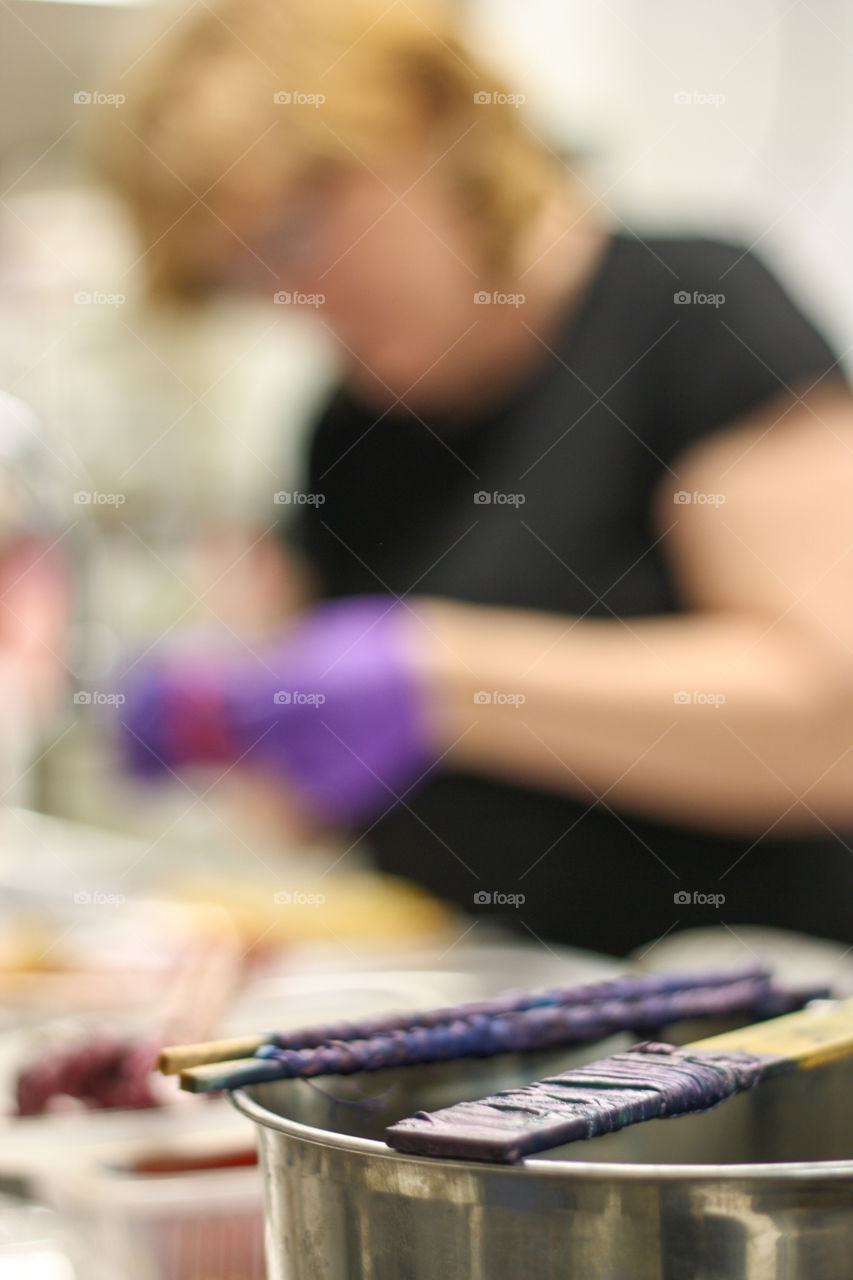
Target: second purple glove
x=335 y=708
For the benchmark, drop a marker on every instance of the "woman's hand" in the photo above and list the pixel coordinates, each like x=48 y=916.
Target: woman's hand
x=335 y=708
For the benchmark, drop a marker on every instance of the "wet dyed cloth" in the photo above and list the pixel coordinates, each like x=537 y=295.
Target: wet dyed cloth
x=647 y=1082
x=482 y=1031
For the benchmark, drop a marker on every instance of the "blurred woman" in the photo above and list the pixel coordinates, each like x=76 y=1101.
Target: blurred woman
x=576 y=520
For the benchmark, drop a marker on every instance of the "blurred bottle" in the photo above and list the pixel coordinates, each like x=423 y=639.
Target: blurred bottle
x=35 y=600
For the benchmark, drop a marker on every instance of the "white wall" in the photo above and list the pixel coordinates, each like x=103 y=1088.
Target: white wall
x=772 y=162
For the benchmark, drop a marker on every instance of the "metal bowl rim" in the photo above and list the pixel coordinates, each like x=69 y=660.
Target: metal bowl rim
x=808 y=1170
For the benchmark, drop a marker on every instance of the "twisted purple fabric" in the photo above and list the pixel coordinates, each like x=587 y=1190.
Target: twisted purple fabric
x=334 y=708
x=484 y=1034
x=649 y=1081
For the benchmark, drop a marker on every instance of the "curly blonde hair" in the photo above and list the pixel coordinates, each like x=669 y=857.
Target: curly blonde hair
x=202 y=132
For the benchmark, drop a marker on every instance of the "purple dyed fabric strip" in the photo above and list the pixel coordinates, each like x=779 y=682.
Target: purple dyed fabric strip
x=649 y=1081
x=484 y=1035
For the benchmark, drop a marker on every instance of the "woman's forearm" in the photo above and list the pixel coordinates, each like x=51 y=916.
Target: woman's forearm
x=726 y=722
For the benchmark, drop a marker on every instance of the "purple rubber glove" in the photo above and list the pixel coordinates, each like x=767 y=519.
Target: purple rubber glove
x=334 y=708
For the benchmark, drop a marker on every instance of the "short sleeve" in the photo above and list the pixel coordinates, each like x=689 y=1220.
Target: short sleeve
x=735 y=340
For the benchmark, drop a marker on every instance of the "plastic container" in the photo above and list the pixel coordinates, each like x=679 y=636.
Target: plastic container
x=198 y=1224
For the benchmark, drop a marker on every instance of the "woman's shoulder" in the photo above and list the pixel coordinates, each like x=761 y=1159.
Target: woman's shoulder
x=694 y=268
x=710 y=290
x=679 y=250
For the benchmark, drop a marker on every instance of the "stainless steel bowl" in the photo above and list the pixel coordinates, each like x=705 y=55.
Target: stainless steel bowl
x=760 y=1188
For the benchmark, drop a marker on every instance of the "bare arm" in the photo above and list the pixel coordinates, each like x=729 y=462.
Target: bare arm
x=765 y=655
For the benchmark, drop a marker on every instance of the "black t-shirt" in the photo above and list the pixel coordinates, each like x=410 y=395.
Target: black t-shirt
x=673 y=339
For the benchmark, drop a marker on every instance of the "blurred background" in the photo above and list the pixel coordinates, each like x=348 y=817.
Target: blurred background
x=159 y=437
x=715 y=116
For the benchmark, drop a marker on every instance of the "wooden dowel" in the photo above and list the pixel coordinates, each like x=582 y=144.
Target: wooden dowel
x=180 y=1057
x=212 y=1076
